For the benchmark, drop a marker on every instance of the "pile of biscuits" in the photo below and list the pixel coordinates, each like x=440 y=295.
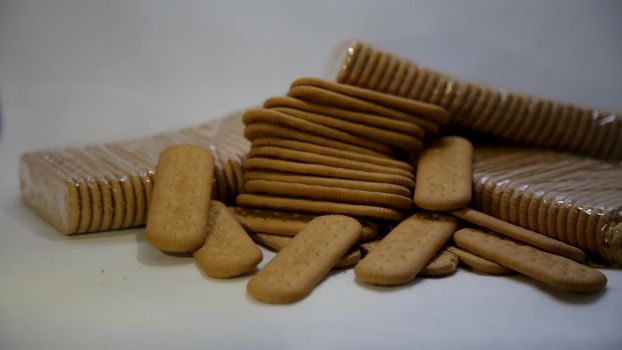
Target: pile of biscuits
x=498 y=113
x=294 y=203
x=329 y=148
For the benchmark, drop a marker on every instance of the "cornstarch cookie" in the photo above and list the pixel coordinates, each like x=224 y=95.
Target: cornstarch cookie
x=325 y=170
x=228 y=251
x=277 y=243
x=275 y=117
x=74 y=164
x=325 y=181
x=444 y=174
x=442 y=264
x=478 y=263
x=303 y=262
x=406 y=250
x=328 y=193
x=318 y=207
x=551 y=269
x=520 y=234
x=93 y=208
x=178 y=214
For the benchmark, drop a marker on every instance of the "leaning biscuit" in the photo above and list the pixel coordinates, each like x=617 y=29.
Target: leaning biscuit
x=478 y=263
x=442 y=264
x=520 y=234
x=406 y=250
x=444 y=174
x=551 y=269
x=228 y=251
x=303 y=263
x=178 y=213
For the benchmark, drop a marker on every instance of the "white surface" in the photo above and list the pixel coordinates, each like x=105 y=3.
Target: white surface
x=73 y=72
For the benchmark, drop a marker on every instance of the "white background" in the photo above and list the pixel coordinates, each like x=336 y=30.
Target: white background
x=76 y=72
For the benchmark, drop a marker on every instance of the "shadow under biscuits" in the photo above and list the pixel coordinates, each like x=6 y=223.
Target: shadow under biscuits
x=558 y=294
x=389 y=288
x=147 y=254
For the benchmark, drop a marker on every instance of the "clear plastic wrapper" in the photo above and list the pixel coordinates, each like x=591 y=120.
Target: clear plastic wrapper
x=496 y=112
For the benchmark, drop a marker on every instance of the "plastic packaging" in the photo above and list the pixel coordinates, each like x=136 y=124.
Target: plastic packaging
x=519 y=118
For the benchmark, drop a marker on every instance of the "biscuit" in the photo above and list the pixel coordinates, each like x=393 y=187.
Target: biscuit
x=520 y=234
x=359 y=62
x=261 y=130
x=320 y=159
x=325 y=170
x=408 y=81
x=178 y=214
x=442 y=264
x=326 y=181
x=228 y=251
x=275 y=117
x=74 y=165
x=318 y=207
x=285 y=223
x=327 y=193
x=331 y=152
x=406 y=250
x=551 y=269
x=478 y=263
x=396 y=81
x=444 y=174
x=378 y=72
x=277 y=242
x=306 y=260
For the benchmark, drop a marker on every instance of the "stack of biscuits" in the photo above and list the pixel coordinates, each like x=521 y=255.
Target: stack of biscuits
x=333 y=148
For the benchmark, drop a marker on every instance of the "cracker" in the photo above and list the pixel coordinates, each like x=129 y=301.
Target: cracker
x=275 y=117
x=442 y=264
x=331 y=152
x=520 y=234
x=551 y=269
x=306 y=260
x=328 y=193
x=325 y=170
x=314 y=158
x=277 y=243
x=406 y=250
x=478 y=263
x=444 y=174
x=228 y=251
x=318 y=207
x=285 y=223
x=326 y=181
x=260 y=130
x=178 y=214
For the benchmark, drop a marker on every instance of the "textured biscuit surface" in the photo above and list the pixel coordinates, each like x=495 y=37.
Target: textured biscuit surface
x=554 y=270
x=177 y=220
x=228 y=251
x=304 y=262
x=444 y=174
x=406 y=250
x=478 y=263
x=442 y=264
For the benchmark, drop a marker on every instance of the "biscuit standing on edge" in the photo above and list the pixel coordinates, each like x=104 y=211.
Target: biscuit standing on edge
x=406 y=250
x=177 y=220
x=444 y=174
x=554 y=270
x=302 y=264
x=228 y=250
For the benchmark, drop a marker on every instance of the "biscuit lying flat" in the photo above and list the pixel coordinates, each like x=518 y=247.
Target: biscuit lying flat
x=306 y=259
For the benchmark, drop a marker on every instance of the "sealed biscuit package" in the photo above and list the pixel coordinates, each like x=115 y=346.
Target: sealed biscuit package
x=481 y=109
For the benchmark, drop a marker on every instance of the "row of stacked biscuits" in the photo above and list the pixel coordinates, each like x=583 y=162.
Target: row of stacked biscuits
x=489 y=111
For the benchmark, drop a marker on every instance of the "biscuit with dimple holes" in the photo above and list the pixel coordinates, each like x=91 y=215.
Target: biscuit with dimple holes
x=318 y=207
x=178 y=214
x=277 y=243
x=551 y=269
x=478 y=263
x=444 y=174
x=520 y=234
x=286 y=223
x=304 y=262
x=228 y=251
x=406 y=250
x=328 y=193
